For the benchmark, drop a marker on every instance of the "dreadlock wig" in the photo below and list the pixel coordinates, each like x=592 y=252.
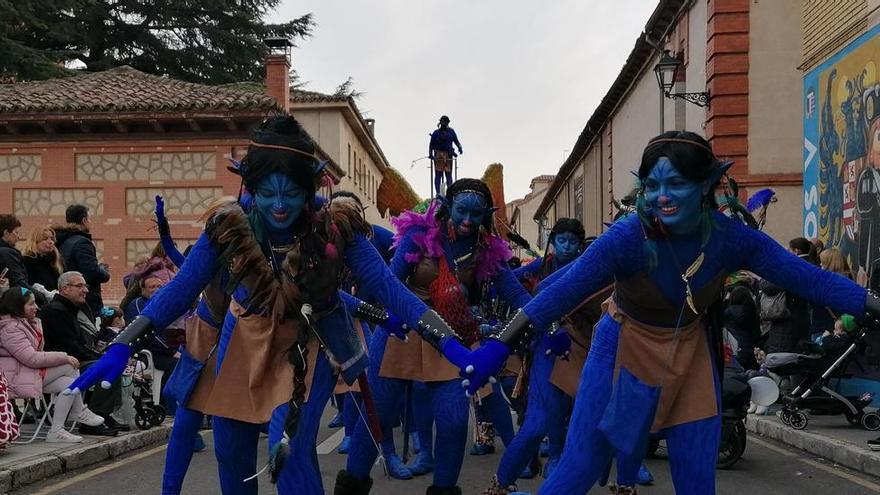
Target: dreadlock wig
x=468 y=186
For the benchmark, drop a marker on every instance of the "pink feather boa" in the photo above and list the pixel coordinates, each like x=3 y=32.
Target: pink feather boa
x=428 y=235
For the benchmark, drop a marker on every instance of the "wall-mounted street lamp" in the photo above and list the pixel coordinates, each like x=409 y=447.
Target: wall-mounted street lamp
x=665 y=71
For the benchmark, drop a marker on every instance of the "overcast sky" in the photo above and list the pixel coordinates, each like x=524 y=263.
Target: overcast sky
x=518 y=79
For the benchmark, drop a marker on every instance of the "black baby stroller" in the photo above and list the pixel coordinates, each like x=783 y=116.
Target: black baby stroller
x=147 y=413
x=814 y=396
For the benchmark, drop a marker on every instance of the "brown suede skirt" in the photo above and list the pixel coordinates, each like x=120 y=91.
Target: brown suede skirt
x=256 y=376
x=681 y=366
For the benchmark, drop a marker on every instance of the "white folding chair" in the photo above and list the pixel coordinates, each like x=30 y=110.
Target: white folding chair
x=43 y=420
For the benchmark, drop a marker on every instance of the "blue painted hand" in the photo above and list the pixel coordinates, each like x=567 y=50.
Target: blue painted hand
x=106 y=370
x=396 y=327
x=557 y=343
x=481 y=365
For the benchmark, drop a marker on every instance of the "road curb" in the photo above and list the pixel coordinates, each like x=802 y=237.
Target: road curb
x=39 y=468
x=855 y=457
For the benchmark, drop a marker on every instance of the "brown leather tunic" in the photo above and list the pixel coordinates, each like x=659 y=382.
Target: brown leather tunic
x=415 y=359
x=566 y=374
x=680 y=362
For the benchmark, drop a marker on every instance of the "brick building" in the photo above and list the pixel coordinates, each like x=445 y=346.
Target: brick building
x=745 y=54
x=113 y=140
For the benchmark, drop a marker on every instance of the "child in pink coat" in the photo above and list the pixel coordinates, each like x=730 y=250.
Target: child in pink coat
x=32 y=371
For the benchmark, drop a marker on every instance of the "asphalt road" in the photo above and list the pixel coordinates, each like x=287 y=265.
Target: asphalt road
x=766 y=468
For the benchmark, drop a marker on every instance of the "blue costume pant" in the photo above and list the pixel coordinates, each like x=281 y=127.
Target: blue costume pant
x=423 y=416
x=693 y=447
x=301 y=474
x=180 y=449
x=450 y=412
x=545 y=414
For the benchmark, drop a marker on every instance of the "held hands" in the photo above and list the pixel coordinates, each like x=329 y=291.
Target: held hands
x=396 y=327
x=106 y=370
x=557 y=343
x=481 y=365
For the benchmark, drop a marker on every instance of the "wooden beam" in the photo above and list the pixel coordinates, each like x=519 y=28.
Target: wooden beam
x=193 y=125
x=120 y=126
x=48 y=128
x=157 y=126
x=84 y=127
x=230 y=124
x=11 y=128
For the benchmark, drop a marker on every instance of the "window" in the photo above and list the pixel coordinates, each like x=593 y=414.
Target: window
x=354 y=175
x=349 y=159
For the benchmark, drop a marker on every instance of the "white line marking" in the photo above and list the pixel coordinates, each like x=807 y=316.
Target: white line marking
x=332 y=442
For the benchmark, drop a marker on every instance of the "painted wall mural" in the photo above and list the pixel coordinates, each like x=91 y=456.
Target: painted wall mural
x=842 y=153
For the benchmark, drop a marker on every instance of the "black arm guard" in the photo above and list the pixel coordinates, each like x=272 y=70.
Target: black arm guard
x=433 y=329
x=371 y=314
x=137 y=333
x=515 y=330
x=164 y=228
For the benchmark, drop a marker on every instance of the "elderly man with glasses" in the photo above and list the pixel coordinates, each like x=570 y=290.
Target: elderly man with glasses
x=69 y=326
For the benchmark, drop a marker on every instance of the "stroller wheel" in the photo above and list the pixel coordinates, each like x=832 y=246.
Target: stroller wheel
x=854 y=419
x=799 y=420
x=785 y=417
x=159 y=415
x=144 y=419
x=871 y=421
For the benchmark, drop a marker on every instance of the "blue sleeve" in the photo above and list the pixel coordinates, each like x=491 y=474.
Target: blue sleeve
x=350 y=302
x=175 y=298
x=399 y=266
x=382 y=240
x=455 y=139
x=759 y=253
x=617 y=253
x=371 y=273
x=522 y=272
x=432 y=143
x=553 y=277
x=510 y=290
x=171 y=250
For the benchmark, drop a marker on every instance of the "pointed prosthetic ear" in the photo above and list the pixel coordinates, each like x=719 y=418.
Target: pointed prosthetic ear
x=717 y=174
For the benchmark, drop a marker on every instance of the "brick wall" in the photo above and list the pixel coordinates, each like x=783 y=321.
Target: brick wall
x=118 y=182
x=727 y=77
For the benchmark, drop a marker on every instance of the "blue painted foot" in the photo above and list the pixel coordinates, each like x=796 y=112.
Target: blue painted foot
x=422 y=464
x=336 y=422
x=645 y=476
x=544 y=450
x=343 y=447
x=482 y=449
x=200 y=444
x=397 y=469
x=416 y=443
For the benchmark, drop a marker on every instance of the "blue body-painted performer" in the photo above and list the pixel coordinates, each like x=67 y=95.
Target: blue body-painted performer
x=267 y=275
x=652 y=363
x=547 y=406
x=440 y=150
x=447 y=256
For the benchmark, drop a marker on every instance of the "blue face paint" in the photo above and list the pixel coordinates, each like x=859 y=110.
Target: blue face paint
x=279 y=200
x=566 y=246
x=674 y=199
x=468 y=212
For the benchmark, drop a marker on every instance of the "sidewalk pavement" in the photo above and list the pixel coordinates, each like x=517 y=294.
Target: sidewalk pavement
x=21 y=465
x=829 y=437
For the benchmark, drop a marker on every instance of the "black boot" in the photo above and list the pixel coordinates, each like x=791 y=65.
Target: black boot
x=436 y=490
x=346 y=484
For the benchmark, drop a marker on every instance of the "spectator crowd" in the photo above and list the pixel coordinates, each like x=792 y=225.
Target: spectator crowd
x=54 y=324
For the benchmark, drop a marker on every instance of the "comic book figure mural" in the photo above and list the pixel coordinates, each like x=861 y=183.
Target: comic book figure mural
x=842 y=153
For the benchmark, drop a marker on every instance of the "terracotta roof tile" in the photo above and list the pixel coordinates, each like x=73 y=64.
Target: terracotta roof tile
x=124 y=89
x=296 y=95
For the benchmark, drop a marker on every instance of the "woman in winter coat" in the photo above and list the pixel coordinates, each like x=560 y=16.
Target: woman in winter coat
x=32 y=371
x=41 y=258
x=741 y=319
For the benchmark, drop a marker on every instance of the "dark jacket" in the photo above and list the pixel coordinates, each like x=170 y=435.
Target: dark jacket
x=10 y=257
x=742 y=321
x=41 y=270
x=79 y=255
x=63 y=331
